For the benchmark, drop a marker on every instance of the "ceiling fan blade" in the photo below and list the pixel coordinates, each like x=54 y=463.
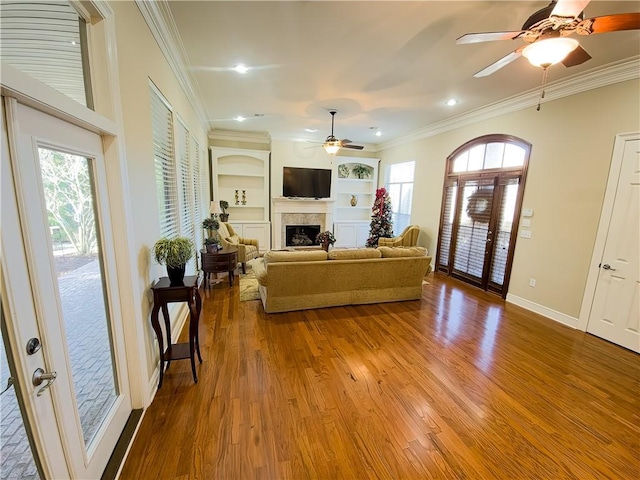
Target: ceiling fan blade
x=345 y=141
x=495 y=66
x=609 y=23
x=353 y=147
x=487 y=37
x=569 y=8
x=577 y=57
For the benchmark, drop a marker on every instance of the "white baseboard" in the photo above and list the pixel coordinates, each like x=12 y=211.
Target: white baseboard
x=559 y=317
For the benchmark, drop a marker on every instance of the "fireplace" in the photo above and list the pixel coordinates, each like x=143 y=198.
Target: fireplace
x=301 y=235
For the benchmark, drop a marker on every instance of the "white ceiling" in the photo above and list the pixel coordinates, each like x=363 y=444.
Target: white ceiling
x=389 y=65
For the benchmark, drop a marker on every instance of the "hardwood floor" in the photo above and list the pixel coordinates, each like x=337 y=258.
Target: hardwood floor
x=457 y=385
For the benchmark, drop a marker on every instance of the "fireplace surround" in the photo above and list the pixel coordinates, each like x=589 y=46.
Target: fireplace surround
x=290 y=211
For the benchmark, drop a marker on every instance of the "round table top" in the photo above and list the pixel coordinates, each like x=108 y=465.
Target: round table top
x=222 y=251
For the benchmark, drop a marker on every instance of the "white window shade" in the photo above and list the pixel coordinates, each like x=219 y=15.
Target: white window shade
x=399 y=185
x=165 y=171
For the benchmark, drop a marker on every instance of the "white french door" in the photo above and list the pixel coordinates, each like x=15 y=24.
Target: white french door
x=60 y=283
x=614 y=312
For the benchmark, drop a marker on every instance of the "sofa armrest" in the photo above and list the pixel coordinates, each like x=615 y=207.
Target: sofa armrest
x=260 y=271
x=389 y=242
x=249 y=241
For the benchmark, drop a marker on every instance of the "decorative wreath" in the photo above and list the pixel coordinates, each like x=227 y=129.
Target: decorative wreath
x=479 y=206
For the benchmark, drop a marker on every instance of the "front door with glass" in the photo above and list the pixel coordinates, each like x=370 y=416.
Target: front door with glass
x=481 y=203
x=81 y=406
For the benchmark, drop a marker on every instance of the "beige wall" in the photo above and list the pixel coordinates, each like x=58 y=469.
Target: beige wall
x=572 y=141
x=140 y=59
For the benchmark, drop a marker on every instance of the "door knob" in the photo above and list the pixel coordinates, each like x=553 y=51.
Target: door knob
x=40 y=376
x=606 y=266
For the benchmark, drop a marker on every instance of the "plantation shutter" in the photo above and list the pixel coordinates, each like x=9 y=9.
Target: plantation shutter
x=185 y=186
x=448 y=218
x=165 y=171
x=504 y=229
x=473 y=227
x=198 y=213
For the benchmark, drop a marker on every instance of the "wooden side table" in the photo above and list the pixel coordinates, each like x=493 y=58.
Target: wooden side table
x=163 y=294
x=225 y=260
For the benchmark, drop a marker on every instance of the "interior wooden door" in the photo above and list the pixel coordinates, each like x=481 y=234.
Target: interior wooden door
x=614 y=313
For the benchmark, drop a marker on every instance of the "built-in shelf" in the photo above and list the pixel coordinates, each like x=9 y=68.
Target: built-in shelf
x=238 y=170
x=351 y=224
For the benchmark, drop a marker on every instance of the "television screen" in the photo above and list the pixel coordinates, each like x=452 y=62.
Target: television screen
x=306 y=182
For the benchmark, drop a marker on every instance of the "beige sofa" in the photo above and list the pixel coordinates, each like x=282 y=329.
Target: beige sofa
x=300 y=280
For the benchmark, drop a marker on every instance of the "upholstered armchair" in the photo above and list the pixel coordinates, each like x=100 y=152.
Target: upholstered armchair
x=408 y=238
x=247 y=248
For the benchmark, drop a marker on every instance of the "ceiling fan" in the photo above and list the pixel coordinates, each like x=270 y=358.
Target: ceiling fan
x=546 y=35
x=332 y=144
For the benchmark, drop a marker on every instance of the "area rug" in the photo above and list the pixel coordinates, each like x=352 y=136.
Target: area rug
x=249 y=287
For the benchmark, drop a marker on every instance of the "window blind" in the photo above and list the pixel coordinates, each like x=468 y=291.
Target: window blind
x=165 y=171
x=399 y=183
x=198 y=211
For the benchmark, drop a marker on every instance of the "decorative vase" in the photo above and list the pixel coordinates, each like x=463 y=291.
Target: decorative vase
x=325 y=246
x=212 y=248
x=224 y=217
x=354 y=200
x=176 y=275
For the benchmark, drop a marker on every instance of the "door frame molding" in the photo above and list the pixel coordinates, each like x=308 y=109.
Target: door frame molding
x=603 y=226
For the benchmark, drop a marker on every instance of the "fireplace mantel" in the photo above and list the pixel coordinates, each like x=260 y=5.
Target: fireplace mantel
x=284 y=205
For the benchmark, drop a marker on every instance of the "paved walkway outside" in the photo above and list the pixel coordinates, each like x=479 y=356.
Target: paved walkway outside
x=90 y=356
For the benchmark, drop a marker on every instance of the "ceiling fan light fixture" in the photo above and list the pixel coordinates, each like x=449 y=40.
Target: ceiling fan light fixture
x=549 y=51
x=331 y=146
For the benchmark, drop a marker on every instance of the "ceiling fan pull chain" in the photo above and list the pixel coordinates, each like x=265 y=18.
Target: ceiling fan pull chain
x=544 y=82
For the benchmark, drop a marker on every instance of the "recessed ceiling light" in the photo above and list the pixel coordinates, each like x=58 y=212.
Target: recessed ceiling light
x=240 y=68
x=311 y=130
x=378 y=133
x=451 y=102
x=240 y=118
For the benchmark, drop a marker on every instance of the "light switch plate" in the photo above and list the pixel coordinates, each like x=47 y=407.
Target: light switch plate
x=526 y=222
x=527 y=212
x=525 y=233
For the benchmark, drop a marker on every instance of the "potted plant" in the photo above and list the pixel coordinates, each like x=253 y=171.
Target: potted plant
x=360 y=171
x=211 y=225
x=224 y=216
x=174 y=253
x=212 y=245
x=325 y=239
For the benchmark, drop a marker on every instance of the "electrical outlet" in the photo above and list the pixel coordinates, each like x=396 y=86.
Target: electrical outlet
x=532 y=282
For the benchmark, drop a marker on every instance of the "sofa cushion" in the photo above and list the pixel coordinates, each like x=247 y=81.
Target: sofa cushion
x=259 y=270
x=354 y=254
x=394 y=252
x=233 y=240
x=296 y=256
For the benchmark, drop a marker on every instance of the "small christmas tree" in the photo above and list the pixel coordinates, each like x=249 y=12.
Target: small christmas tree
x=381 y=225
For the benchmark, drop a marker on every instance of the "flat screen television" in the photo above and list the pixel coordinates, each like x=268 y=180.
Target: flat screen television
x=306 y=182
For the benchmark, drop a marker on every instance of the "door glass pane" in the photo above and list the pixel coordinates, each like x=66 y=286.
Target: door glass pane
x=71 y=206
x=16 y=458
x=44 y=40
x=493 y=157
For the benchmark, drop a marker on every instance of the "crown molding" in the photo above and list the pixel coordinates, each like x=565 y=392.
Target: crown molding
x=240 y=136
x=159 y=19
x=610 y=74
